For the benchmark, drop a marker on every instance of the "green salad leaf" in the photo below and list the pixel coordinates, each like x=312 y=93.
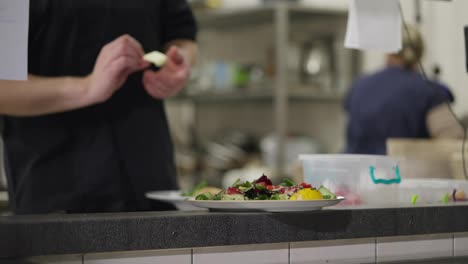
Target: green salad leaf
x=275 y=197
x=195 y=189
x=205 y=196
x=279 y=197
x=260 y=187
x=218 y=196
x=245 y=186
x=233 y=197
x=262 y=197
x=288 y=183
x=326 y=194
x=236 y=183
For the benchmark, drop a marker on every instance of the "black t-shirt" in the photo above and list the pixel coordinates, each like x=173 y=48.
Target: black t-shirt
x=104 y=157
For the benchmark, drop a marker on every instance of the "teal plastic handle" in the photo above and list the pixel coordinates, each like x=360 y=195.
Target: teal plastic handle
x=396 y=180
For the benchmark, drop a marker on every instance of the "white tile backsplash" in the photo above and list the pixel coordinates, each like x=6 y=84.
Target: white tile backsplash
x=365 y=250
x=333 y=251
x=460 y=244
x=183 y=256
x=252 y=254
x=414 y=247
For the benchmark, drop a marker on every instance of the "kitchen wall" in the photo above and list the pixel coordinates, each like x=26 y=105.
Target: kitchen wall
x=443 y=26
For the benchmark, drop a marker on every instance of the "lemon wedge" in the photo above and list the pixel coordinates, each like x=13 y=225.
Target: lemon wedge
x=306 y=194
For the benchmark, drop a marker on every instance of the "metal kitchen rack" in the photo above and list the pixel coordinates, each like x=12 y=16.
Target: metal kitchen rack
x=281 y=16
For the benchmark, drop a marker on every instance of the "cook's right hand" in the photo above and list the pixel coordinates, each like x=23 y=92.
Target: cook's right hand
x=116 y=61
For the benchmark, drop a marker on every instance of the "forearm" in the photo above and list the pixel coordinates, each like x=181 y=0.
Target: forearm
x=41 y=95
x=442 y=124
x=188 y=47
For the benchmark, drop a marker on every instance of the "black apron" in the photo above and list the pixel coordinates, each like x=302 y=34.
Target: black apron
x=105 y=157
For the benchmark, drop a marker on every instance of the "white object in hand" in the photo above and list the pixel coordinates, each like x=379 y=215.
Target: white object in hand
x=156 y=57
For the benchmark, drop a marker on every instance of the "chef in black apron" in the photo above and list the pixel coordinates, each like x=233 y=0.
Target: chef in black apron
x=105 y=155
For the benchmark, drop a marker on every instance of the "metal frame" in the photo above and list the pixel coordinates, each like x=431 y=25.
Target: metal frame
x=281 y=90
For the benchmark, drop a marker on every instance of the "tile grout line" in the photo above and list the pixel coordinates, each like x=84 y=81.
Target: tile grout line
x=375 y=250
x=453 y=244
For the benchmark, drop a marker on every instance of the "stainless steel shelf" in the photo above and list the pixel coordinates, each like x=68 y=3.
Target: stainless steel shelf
x=222 y=19
x=237 y=18
x=268 y=97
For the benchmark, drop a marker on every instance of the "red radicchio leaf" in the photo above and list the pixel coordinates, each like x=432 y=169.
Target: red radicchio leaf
x=264 y=179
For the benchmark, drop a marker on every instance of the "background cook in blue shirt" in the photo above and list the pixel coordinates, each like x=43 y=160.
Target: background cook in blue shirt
x=397 y=102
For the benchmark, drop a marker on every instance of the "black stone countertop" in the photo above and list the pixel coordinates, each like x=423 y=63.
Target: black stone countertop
x=22 y=236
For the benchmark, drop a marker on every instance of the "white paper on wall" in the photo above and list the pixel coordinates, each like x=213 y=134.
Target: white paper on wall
x=374 y=25
x=14 y=25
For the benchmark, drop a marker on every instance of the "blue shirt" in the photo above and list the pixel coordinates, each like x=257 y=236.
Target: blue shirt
x=392 y=103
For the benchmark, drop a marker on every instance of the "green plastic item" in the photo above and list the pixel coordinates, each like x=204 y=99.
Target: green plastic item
x=414 y=199
x=445 y=199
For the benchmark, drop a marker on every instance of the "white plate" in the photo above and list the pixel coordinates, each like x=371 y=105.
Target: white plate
x=269 y=206
x=166 y=196
x=174 y=197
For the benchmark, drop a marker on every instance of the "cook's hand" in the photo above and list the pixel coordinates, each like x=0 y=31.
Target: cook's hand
x=116 y=61
x=171 y=78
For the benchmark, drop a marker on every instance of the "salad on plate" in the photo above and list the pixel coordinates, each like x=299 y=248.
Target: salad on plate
x=263 y=189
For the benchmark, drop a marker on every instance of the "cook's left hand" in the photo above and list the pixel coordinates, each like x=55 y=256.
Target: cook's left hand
x=171 y=78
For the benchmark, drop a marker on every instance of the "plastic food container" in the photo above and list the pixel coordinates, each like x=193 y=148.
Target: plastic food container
x=362 y=179
x=430 y=191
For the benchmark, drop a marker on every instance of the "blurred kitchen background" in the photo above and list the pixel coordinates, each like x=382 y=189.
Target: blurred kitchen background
x=270 y=82
x=271 y=79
